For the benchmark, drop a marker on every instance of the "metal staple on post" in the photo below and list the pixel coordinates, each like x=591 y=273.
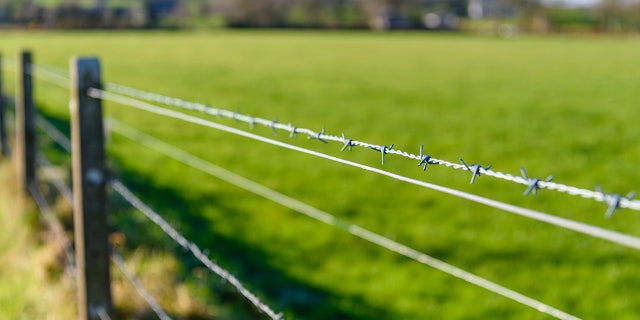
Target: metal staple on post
x=89 y=185
x=25 y=124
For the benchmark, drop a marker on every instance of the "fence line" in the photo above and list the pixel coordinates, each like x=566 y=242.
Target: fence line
x=52 y=76
x=190 y=246
x=65 y=143
x=601 y=233
x=327 y=218
x=119 y=262
x=613 y=200
x=52 y=132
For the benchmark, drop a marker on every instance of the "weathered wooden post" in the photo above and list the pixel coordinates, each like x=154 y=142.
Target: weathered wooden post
x=89 y=191
x=4 y=145
x=25 y=124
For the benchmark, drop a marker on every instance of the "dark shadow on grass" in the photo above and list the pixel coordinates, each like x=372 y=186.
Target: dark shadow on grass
x=282 y=292
x=249 y=264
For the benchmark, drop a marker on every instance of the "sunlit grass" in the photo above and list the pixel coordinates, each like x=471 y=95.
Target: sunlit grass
x=554 y=105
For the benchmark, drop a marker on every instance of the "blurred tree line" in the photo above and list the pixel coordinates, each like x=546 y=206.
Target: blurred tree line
x=525 y=15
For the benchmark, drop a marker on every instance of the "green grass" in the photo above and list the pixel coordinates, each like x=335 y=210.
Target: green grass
x=29 y=287
x=562 y=106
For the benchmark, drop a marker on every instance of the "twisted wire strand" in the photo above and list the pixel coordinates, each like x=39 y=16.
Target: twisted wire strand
x=58 y=76
x=322 y=136
x=322 y=216
x=587 y=229
x=65 y=143
x=117 y=259
x=190 y=246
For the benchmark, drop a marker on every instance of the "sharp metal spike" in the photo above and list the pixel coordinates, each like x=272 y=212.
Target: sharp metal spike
x=424 y=158
x=318 y=136
x=294 y=132
x=474 y=169
x=348 y=143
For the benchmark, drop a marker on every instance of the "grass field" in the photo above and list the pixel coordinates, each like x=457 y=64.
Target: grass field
x=562 y=106
x=32 y=287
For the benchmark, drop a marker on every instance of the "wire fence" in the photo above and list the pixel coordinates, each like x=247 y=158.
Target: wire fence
x=64 y=142
x=310 y=211
x=132 y=97
x=52 y=176
x=533 y=184
x=613 y=200
x=601 y=233
x=118 y=260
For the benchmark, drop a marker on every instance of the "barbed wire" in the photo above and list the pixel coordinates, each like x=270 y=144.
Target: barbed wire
x=533 y=184
x=594 y=231
x=353 y=229
x=195 y=250
x=137 y=284
x=613 y=200
x=327 y=218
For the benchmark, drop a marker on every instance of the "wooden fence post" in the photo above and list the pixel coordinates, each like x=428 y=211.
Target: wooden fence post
x=25 y=124
x=4 y=145
x=89 y=191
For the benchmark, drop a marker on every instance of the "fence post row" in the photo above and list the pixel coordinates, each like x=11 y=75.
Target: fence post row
x=25 y=124
x=4 y=145
x=89 y=186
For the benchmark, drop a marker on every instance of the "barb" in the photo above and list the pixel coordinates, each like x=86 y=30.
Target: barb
x=424 y=159
x=195 y=250
x=475 y=169
x=322 y=136
x=613 y=200
x=534 y=183
x=119 y=261
x=312 y=212
x=593 y=231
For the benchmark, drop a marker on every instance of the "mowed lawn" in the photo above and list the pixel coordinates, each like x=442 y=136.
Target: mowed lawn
x=557 y=105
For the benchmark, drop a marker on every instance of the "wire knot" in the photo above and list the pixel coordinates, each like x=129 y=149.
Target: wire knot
x=534 y=183
x=383 y=150
x=318 y=136
x=424 y=158
x=613 y=200
x=348 y=143
x=272 y=125
x=294 y=132
x=475 y=170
